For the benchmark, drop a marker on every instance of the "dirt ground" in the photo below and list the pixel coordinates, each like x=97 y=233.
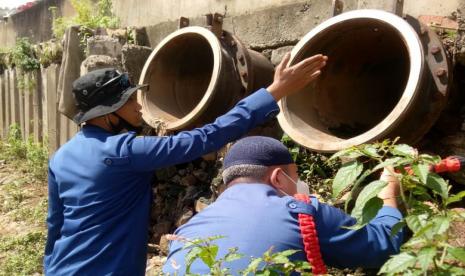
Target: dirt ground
x=23 y=203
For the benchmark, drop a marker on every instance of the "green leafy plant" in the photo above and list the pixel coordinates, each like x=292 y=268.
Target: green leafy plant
x=24 y=59
x=49 y=52
x=424 y=195
x=271 y=263
x=35 y=154
x=89 y=17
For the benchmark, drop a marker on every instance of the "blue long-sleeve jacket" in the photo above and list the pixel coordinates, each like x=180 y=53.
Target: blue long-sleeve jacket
x=254 y=218
x=99 y=189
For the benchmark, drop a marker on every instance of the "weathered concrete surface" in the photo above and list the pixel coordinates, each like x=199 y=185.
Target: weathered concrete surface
x=73 y=55
x=104 y=45
x=98 y=62
x=145 y=13
x=133 y=59
x=278 y=54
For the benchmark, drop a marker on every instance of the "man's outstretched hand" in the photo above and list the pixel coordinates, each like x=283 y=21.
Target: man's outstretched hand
x=289 y=80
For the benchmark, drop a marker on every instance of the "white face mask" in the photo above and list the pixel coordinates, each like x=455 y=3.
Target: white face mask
x=302 y=187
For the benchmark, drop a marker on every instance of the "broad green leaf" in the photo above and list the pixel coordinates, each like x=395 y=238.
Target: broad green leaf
x=233 y=256
x=387 y=162
x=455 y=198
x=441 y=225
x=450 y=270
x=253 y=266
x=191 y=256
x=421 y=171
x=344 y=153
x=426 y=231
x=369 y=211
x=286 y=253
x=398 y=263
x=369 y=192
x=208 y=255
x=415 y=242
x=280 y=259
x=438 y=185
x=430 y=158
x=371 y=208
x=457 y=253
x=403 y=150
x=370 y=151
x=396 y=228
x=416 y=222
x=425 y=257
x=346 y=175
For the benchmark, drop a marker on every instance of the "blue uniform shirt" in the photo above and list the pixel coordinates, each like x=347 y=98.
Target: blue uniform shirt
x=100 y=195
x=254 y=218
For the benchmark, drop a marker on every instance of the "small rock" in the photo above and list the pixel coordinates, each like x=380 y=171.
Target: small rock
x=200 y=204
x=201 y=175
x=153 y=248
x=164 y=245
x=188 y=180
x=159 y=230
x=187 y=214
x=154 y=266
x=182 y=172
x=278 y=54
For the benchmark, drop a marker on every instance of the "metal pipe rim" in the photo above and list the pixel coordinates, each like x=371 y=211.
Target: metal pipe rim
x=207 y=97
x=415 y=53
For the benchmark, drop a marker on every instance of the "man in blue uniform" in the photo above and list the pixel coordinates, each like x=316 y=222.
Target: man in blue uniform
x=255 y=213
x=99 y=182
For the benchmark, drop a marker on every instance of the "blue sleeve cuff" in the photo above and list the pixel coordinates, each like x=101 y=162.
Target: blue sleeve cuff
x=262 y=100
x=389 y=211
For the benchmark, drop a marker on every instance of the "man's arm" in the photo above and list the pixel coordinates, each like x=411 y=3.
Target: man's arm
x=54 y=218
x=149 y=153
x=368 y=247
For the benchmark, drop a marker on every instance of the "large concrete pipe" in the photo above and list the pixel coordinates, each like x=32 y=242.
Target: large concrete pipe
x=195 y=75
x=386 y=77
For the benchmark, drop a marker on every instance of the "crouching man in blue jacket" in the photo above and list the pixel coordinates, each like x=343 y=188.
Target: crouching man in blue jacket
x=256 y=213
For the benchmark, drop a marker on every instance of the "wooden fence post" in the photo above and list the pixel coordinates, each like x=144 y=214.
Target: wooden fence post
x=14 y=98
x=28 y=115
x=36 y=94
x=6 y=78
x=2 y=106
x=21 y=82
x=51 y=74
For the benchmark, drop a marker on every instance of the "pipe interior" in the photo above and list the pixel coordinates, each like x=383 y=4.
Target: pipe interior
x=365 y=76
x=180 y=74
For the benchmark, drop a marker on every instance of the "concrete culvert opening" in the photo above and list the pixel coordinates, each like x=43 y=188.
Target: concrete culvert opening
x=371 y=78
x=181 y=72
x=195 y=76
x=362 y=83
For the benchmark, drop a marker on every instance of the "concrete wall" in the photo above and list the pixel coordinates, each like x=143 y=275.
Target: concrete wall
x=144 y=12
x=35 y=23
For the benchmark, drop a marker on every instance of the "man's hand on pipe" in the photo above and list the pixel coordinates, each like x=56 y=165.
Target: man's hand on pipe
x=291 y=79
